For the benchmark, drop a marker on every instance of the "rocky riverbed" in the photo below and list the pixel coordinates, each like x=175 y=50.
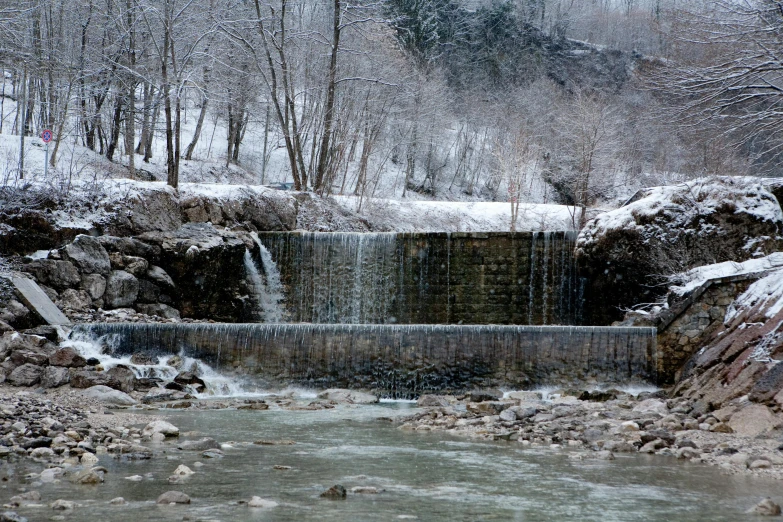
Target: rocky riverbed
x=741 y=437
x=71 y=436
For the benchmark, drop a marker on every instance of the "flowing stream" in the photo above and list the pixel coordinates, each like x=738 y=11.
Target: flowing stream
x=430 y=477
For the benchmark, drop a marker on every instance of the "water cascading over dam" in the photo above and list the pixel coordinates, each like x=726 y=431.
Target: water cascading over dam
x=404 y=314
x=401 y=361
x=428 y=278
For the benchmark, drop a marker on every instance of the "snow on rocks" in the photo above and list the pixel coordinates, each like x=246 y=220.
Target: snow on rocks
x=672 y=229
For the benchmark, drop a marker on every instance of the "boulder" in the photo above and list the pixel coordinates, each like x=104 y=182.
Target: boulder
x=75 y=300
x=160 y=310
x=54 y=273
x=94 y=285
x=141 y=358
x=37 y=357
x=753 y=420
x=124 y=376
x=122 y=289
x=204 y=261
x=132 y=264
x=484 y=395
x=426 y=401
x=336 y=492
x=348 y=396
x=173 y=497
x=652 y=406
x=87 y=253
x=108 y=395
x=68 y=358
x=765 y=508
x=526 y=395
x=91 y=476
x=129 y=246
x=149 y=292
x=190 y=379
x=159 y=276
x=159 y=426
x=25 y=375
x=50 y=333
x=202 y=444
x=82 y=379
x=54 y=377
x=769 y=385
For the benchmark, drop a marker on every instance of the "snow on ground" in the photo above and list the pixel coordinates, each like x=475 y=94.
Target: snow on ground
x=692 y=279
x=451 y=216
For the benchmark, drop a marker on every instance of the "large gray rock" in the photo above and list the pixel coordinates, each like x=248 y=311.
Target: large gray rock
x=348 y=396
x=94 y=285
x=149 y=292
x=82 y=379
x=173 y=497
x=122 y=289
x=160 y=426
x=54 y=377
x=202 y=444
x=753 y=420
x=132 y=264
x=161 y=310
x=26 y=375
x=765 y=508
x=158 y=275
x=68 y=358
x=204 y=262
x=87 y=253
x=108 y=395
x=76 y=300
x=129 y=246
x=124 y=376
x=55 y=273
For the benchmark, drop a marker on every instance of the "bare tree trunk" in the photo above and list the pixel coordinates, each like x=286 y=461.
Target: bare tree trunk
x=145 y=123
x=20 y=104
x=197 y=133
x=171 y=172
x=130 y=111
x=115 y=128
x=329 y=114
x=266 y=145
x=63 y=122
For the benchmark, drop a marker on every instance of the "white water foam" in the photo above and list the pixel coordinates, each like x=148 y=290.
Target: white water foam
x=217 y=385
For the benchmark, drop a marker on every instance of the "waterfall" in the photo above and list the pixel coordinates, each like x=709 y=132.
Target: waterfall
x=427 y=278
x=401 y=361
x=273 y=298
x=266 y=289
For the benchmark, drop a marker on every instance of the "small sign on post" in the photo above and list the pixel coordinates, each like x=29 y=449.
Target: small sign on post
x=46 y=136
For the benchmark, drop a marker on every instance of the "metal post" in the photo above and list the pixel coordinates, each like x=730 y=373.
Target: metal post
x=46 y=162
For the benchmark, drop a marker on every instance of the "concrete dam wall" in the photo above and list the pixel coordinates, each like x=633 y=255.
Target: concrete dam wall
x=428 y=278
x=400 y=361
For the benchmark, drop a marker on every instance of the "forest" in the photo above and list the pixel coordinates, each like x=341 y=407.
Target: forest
x=578 y=102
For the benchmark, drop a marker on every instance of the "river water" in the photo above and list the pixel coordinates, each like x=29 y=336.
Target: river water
x=432 y=477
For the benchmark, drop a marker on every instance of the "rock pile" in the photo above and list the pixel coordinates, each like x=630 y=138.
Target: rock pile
x=105 y=272
x=645 y=424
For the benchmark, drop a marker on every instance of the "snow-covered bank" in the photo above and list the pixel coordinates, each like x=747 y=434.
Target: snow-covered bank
x=457 y=216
